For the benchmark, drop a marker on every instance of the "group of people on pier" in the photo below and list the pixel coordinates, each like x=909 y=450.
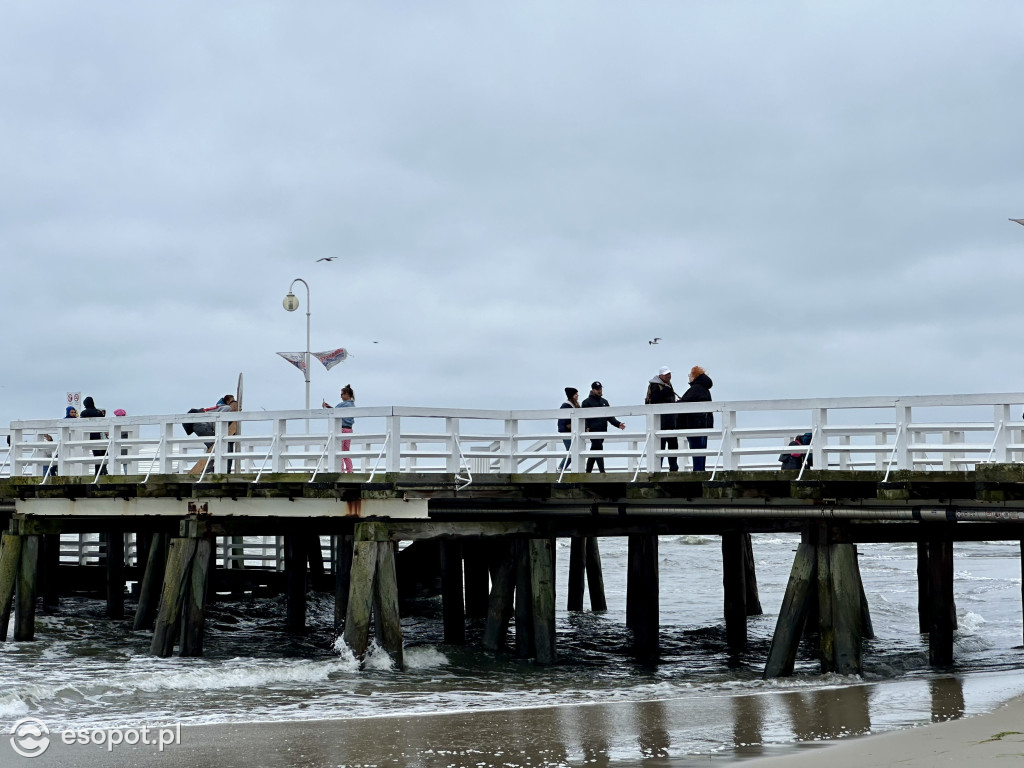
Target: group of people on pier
x=659 y=391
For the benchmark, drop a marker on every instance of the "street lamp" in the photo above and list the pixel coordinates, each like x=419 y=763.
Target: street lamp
x=291 y=303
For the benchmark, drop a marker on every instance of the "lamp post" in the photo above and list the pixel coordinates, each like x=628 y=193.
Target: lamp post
x=291 y=303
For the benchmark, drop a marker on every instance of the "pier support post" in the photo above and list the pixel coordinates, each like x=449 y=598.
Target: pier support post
x=373 y=583
x=115 y=573
x=194 y=607
x=923 y=601
x=577 y=568
x=642 y=594
x=735 y=590
x=453 y=607
x=25 y=593
x=10 y=557
x=500 y=605
x=542 y=585
x=477 y=577
x=152 y=581
x=526 y=647
x=172 y=597
x=49 y=569
x=750 y=578
x=943 y=609
x=867 y=628
x=595 y=576
x=295 y=554
x=847 y=610
x=342 y=578
x=793 y=614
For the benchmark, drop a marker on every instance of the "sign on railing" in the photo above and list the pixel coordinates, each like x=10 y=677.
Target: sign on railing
x=952 y=432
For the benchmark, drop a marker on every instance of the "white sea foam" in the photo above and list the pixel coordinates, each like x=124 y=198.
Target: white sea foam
x=424 y=657
x=221 y=677
x=12 y=706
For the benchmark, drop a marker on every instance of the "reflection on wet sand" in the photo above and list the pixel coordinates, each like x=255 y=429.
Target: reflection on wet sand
x=748 y=725
x=947 y=698
x=829 y=714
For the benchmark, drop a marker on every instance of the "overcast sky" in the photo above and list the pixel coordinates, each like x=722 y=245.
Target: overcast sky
x=808 y=199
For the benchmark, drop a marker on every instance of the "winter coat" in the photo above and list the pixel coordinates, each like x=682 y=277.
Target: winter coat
x=659 y=392
x=699 y=392
x=795 y=460
x=599 y=424
x=565 y=425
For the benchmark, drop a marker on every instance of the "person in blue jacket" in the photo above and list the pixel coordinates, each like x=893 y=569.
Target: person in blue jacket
x=348 y=400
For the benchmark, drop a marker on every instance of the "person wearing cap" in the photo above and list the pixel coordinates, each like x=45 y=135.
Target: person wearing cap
x=659 y=390
x=572 y=400
x=699 y=392
x=598 y=424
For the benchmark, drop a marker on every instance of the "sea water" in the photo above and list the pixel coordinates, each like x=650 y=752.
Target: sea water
x=85 y=670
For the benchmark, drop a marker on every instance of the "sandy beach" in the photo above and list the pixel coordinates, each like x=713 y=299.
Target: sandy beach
x=602 y=735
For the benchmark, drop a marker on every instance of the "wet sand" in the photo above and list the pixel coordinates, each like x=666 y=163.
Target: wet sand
x=617 y=734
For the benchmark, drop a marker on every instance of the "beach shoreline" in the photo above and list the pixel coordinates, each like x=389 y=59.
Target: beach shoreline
x=612 y=734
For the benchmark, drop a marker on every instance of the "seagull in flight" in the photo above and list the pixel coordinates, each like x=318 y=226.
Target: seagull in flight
x=1019 y=221
x=328 y=258
x=655 y=340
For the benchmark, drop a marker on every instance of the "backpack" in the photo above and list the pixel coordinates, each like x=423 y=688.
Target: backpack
x=190 y=427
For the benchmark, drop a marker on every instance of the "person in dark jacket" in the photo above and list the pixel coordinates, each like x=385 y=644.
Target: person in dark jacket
x=659 y=390
x=598 y=424
x=90 y=411
x=572 y=400
x=699 y=392
x=793 y=461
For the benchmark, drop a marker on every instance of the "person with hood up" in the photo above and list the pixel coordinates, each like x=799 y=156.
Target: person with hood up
x=598 y=424
x=659 y=390
x=572 y=400
x=794 y=461
x=92 y=412
x=699 y=392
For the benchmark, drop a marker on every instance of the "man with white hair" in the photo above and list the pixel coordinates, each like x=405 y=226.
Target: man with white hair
x=659 y=390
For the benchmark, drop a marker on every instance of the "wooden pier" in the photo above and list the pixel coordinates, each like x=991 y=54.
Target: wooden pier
x=482 y=499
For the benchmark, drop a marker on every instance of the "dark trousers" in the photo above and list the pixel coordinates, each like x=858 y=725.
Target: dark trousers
x=596 y=445
x=101 y=468
x=698 y=461
x=672 y=443
x=564 y=463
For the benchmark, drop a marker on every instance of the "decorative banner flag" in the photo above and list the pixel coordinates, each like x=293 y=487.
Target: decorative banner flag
x=332 y=358
x=298 y=359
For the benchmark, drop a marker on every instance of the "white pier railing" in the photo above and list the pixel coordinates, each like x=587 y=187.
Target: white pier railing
x=942 y=432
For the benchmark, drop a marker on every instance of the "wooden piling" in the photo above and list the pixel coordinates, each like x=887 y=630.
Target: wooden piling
x=172 y=596
x=826 y=600
x=152 y=582
x=924 y=621
x=847 y=610
x=501 y=602
x=453 y=607
x=577 y=568
x=477 y=579
x=526 y=646
x=388 y=619
x=542 y=585
x=194 y=607
x=940 y=588
x=25 y=592
x=866 y=625
x=49 y=569
x=735 y=590
x=342 y=577
x=642 y=599
x=295 y=555
x=793 y=614
x=10 y=558
x=360 y=596
x=595 y=576
x=315 y=553
x=750 y=578
x=115 y=574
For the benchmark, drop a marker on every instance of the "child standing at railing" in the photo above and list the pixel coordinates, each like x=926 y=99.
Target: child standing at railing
x=348 y=400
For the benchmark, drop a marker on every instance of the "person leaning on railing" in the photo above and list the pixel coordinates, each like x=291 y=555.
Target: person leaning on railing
x=348 y=400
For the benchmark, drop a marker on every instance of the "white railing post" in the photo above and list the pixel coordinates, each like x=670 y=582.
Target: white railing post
x=576 y=425
x=451 y=431
x=278 y=460
x=819 y=418
x=653 y=445
x=903 y=437
x=729 y=440
x=393 y=444
x=511 y=430
x=1000 y=419
x=17 y=464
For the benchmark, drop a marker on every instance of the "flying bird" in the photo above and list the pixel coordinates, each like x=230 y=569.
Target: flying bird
x=655 y=340
x=328 y=258
x=1019 y=221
